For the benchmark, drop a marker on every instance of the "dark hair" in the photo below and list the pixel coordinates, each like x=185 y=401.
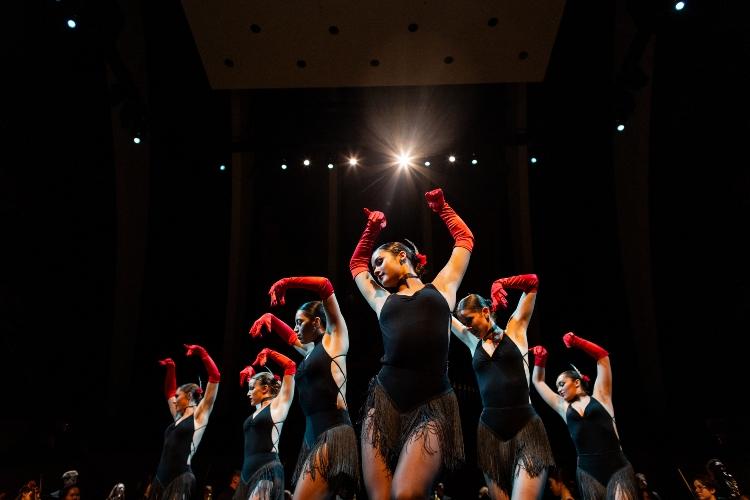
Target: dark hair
x=473 y=302
x=267 y=378
x=576 y=375
x=193 y=390
x=707 y=481
x=315 y=309
x=64 y=492
x=411 y=251
x=561 y=475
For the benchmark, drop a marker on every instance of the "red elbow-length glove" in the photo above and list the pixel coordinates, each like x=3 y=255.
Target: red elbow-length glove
x=289 y=366
x=540 y=355
x=572 y=340
x=275 y=325
x=213 y=373
x=461 y=233
x=527 y=283
x=170 y=378
x=322 y=286
x=360 y=260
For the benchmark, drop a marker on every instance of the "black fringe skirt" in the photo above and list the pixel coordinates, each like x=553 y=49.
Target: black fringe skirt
x=600 y=476
x=180 y=488
x=389 y=430
x=266 y=483
x=526 y=445
x=330 y=450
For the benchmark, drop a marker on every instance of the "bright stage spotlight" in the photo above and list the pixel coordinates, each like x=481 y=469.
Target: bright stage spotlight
x=306 y=162
x=679 y=6
x=353 y=162
x=452 y=159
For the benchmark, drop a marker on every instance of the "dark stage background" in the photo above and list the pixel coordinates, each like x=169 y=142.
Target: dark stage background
x=112 y=257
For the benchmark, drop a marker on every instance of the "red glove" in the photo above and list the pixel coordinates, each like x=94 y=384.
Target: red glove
x=246 y=374
x=540 y=355
x=457 y=227
x=289 y=366
x=572 y=340
x=275 y=325
x=315 y=283
x=360 y=260
x=170 y=379
x=499 y=296
x=525 y=282
x=213 y=373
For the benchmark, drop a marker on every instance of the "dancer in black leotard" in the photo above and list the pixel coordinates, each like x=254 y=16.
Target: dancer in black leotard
x=513 y=451
x=328 y=463
x=603 y=470
x=262 y=475
x=190 y=409
x=411 y=424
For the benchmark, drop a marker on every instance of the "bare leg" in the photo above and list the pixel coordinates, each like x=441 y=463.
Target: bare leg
x=374 y=471
x=496 y=492
x=313 y=489
x=262 y=490
x=526 y=487
x=417 y=468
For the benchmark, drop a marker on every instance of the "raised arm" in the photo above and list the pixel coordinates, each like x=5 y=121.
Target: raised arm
x=206 y=405
x=271 y=323
x=603 y=383
x=554 y=400
x=170 y=384
x=281 y=403
x=335 y=324
x=463 y=334
x=449 y=278
x=373 y=293
x=519 y=320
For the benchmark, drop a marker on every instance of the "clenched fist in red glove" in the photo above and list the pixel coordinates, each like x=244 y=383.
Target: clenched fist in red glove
x=572 y=340
x=435 y=199
x=360 y=259
x=213 y=372
x=456 y=226
x=170 y=379
x=540 y=355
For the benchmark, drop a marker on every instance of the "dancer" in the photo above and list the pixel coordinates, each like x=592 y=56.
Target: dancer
x=262 y=475
x=603 y=470
x=328 y=463
x=513 y=450
x=190 y=409
x=411 y=423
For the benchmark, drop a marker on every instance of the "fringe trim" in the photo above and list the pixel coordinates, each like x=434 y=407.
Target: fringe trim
x=272 y=477
x=335 y=457
x=389 y=430
x=529 y=448
x=622 y=481
x=181 y=487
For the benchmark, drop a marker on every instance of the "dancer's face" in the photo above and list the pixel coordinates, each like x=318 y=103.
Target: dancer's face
x=701 y=491
x=182 y=400
x=73 y=494
x=567 y=387
x=257 y=392
x=387 y=267
x=476 y=320
x=306 y=327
